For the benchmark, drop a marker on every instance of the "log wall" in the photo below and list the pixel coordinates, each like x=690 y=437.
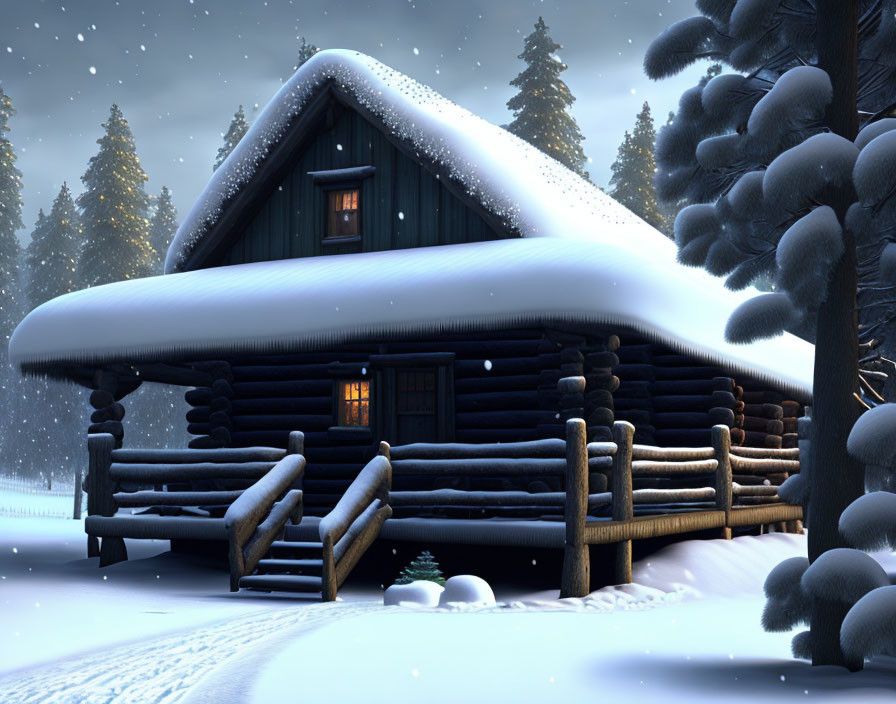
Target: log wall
x=674 y=401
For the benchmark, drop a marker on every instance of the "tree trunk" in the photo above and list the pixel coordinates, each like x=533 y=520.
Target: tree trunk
x=835 y=478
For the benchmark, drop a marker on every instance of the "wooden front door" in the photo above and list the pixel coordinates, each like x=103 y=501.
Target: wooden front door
x=416 y=405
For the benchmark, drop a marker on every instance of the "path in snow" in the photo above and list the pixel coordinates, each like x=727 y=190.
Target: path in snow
x=162 y=671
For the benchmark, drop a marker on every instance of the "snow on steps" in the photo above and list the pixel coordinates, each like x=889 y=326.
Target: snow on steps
x=294 y=567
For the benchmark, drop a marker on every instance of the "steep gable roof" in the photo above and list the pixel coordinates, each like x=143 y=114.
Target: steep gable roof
x=513 y=181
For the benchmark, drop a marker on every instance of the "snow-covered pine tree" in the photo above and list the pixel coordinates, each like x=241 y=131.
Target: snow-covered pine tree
x=633 y=172
x=51 y=256
x=236 y=131
x=114 y=210
x=541 y=108
x=787 y=184
x=306 y=51
x=162 y=226
x=424 y=568
x=49 y=435
x=11 y=308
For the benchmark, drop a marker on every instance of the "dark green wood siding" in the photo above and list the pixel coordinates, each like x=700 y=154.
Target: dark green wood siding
x=402 y=205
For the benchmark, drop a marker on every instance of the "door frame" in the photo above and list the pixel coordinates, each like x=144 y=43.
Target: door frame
x=385 y=390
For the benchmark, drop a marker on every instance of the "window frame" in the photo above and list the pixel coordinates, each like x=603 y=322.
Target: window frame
x=328 y=189
x=341 y=417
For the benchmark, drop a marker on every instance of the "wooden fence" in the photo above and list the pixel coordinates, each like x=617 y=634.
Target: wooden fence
x=738 y=491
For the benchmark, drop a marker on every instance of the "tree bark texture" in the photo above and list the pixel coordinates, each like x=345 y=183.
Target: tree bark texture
x=835 y=478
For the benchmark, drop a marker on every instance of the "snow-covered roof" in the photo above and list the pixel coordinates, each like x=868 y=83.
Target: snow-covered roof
x=582 y=257
x=533 y=193
x=272 y=306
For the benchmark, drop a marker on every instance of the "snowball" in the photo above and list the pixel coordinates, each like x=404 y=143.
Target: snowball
x=467 y=589
x=799 y=97
x=806 y=254
x=875 y=129
x=843 y=575
x=872 y=439
x=787 y=605
x=874 y=175
x=417 y=593
x=799 y=177
x=870 y=626
x=767 y=315
x=869 y=522
x=677 y=47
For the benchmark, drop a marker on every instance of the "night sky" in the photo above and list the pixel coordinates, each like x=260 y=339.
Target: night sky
x=179 y=68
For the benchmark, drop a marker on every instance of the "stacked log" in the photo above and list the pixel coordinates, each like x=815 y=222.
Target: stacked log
x=672 y=400
x=209 y=417
x=600 y=385
x=505 y=390
x=107 y=415
x=770 y=418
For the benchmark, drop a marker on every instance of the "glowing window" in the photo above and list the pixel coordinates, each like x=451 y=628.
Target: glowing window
x=343 y=213
x=354 y=403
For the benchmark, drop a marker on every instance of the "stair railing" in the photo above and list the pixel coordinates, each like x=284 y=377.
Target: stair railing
x=354 y=523
x=258 y=517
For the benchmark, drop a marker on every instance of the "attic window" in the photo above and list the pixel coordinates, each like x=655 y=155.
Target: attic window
x=342 y=213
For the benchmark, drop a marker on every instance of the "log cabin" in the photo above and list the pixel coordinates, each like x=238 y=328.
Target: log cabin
x=375 y=266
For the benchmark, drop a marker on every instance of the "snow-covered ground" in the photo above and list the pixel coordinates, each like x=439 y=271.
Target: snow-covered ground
x=163 y=628
x=23 y=498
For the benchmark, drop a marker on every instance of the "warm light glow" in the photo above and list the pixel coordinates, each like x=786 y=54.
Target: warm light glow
x=354 y=403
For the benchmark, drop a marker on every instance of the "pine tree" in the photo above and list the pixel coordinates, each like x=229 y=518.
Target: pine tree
x=49 y=409
x=541 y=108
x=10 y=253
x=634 y=171
x=52 y=254
x=162 y=227
x=114 y=209
x=236 y=131
x=424 y=568
x=306 y=51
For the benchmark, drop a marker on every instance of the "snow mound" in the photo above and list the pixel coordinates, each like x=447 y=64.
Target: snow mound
x=417 y=593
x=467 y=589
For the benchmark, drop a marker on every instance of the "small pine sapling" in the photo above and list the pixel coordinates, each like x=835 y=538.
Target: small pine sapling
x=424 y=568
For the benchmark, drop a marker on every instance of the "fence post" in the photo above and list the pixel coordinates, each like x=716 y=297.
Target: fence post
x=100 y=499
x=721 y=445
x=295 y=445
x=623 y=507
x=576 y=578
x=76 y=512
x=385 y=487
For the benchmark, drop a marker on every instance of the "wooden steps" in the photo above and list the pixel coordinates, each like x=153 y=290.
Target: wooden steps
x=293 y=567
x=282 y=583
